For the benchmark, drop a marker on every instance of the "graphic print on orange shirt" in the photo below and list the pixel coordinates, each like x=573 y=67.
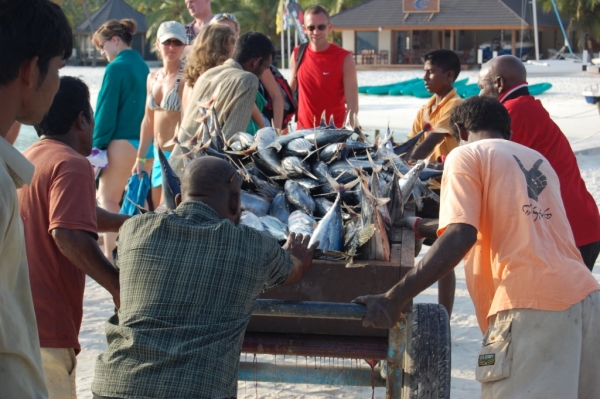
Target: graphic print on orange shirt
x=536 y=183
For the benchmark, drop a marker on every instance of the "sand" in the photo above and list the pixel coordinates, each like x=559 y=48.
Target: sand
x=579 y=122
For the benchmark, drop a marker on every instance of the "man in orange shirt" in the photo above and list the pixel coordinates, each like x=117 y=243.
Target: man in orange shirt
x=61 y=221
x=501 y=210
x=442 y=67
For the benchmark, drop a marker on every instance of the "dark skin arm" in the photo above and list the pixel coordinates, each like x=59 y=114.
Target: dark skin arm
x=385 y=310
x=424 y=150
x=426 y=228
x=82 y=250
x=109 y=222
x=301 y=253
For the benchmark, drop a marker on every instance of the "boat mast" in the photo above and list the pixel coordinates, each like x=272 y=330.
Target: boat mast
x=535 y=31
x=562 y=28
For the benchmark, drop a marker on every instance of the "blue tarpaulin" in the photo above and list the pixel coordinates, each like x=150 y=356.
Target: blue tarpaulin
x=137 y=191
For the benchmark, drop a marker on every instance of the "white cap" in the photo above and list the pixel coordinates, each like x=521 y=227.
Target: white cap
x=171 y=30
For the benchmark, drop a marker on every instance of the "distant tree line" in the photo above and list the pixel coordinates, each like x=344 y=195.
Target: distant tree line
x=257 y=15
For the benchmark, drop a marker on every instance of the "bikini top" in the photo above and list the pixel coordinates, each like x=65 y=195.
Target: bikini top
x=170 y=102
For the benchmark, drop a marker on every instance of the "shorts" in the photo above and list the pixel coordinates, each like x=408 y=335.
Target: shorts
x=136 y=145
x=59 y=371
x=533 y=354
x=156 y=172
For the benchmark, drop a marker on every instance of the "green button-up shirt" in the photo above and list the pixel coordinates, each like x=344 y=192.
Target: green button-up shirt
x=188 y=282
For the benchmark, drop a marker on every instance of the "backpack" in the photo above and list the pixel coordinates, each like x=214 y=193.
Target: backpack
x=289 y=104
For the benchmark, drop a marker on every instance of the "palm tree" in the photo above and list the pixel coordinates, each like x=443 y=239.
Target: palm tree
x=584 y=16
x=158 y=11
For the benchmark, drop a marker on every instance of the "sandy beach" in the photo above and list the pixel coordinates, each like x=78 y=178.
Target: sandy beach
x=578 y=120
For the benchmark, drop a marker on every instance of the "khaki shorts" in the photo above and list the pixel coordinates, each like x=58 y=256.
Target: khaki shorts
x=59 y=370
x=536 y=354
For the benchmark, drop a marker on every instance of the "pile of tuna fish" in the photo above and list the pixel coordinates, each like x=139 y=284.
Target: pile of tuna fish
x=333 y=184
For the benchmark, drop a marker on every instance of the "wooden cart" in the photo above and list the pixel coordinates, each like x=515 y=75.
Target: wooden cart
x=314 y=317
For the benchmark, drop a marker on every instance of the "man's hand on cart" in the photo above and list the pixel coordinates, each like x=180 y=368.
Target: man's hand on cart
x=301 y=253
x=382 y=311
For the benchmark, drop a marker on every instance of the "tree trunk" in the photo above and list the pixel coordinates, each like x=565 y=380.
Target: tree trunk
x=86 y=10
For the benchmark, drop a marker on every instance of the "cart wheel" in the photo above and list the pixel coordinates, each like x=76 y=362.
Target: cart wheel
x=427 y=355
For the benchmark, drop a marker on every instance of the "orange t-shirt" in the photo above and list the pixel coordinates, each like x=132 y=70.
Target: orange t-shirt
x=62 y=194
x=439 y=117
x=525 y=255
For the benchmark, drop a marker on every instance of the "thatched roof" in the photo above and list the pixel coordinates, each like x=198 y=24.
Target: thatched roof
x=113 y=9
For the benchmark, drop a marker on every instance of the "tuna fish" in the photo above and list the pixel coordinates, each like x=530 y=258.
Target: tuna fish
x=275 y=227
x=299 y=197
x=330 y=230
x=322 y=137
x=251 y=220
x=281 y=208
x=298 y=148
x=171 y=185
x=301 y=223
x=294 y=167
x=333 y=152
x=408 y=181
x=255 y=203
x=283 y=141
x=264 y=137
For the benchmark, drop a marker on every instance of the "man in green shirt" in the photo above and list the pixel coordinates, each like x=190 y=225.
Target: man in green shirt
x=188 y=282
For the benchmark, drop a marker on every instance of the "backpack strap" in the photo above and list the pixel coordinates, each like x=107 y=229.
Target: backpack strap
x=299 y=57
x=301 y=51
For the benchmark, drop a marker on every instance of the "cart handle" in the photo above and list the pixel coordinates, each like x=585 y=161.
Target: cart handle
x=306 y=309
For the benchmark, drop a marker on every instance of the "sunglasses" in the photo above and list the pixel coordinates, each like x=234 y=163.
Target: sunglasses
x=224 y=15
x=173 y=42
x=318 y=27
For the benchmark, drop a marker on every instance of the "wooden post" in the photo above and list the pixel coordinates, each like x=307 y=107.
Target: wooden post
x=396 y=348
x=411 y=48
x=452 y=40
x=475 y=45
x=514 y=42
x=457 y=43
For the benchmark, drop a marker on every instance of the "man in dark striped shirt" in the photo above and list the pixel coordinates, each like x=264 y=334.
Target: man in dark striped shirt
x=188 y=282
x=202 y=13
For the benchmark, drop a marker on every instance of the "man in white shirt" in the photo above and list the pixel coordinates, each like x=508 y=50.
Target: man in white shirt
x=28 y=82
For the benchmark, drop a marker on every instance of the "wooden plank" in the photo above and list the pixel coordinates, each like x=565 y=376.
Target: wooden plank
x=396 y=255
x=396 y=236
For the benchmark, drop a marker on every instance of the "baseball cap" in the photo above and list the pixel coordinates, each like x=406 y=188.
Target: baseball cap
x=171 y=30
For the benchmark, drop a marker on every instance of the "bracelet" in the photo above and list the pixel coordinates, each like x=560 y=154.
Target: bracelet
x=417 y=235
x=143 y=160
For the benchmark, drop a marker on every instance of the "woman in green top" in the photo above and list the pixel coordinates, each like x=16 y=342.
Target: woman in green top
x=119 y=113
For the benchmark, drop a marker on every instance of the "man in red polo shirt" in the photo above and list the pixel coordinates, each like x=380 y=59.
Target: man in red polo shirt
x=505 y=78
x=326 y=76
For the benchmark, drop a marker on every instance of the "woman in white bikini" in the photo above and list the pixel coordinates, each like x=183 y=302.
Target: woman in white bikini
x=163 y=104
